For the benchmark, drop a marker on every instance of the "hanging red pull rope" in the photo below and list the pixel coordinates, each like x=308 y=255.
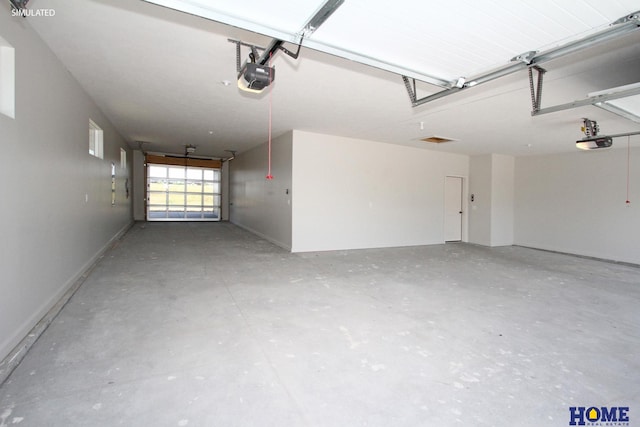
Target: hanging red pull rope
x=269 y=176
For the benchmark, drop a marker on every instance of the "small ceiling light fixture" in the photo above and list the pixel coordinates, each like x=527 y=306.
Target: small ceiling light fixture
x=594 y=143
x=189 y=149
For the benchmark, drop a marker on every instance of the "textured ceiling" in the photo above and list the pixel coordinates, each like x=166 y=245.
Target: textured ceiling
x=158 y=73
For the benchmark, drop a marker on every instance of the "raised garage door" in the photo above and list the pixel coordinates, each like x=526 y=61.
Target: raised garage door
x=183 y=192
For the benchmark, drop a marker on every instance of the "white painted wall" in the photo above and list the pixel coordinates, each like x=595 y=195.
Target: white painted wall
x=575 y=203
x=502 y=194
x=56 y=211
x=492 y=185
x=480 y=182
x=224 y=176
x=260 y=205
x=351 y=193
x=139 y=186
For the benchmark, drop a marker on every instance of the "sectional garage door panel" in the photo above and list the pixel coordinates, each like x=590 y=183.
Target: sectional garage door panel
x=183 y=193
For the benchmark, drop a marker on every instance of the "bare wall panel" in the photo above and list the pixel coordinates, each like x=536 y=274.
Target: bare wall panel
x=575 y=203
x=351 y=193
x=258 y=204
x=57 y=213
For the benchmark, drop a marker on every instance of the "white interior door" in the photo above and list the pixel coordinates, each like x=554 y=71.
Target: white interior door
x=453 y=209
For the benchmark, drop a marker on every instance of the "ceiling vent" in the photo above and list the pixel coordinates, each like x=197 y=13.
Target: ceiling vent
x=436 y=139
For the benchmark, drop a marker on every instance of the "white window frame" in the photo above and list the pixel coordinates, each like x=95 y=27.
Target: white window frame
x=96 y=140
x=7 y=79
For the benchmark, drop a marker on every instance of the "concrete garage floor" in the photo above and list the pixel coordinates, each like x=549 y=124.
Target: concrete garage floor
x=204 y=324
